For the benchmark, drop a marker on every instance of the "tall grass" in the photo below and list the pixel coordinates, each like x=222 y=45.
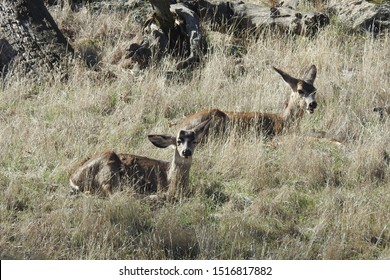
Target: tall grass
x=251 y=199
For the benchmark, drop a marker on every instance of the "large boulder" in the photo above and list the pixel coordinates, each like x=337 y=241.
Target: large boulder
x=256 y=18
x=362 y=15
x=358 y=15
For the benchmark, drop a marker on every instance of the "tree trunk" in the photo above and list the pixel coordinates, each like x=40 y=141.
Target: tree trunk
x=163 y=16
x=172 y=28
x=30 y=40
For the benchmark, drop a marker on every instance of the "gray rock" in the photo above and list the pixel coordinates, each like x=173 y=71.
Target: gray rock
x=362 y=15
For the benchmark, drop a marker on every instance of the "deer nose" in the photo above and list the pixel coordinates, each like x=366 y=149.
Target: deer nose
x=313 y=105
x=187 y=153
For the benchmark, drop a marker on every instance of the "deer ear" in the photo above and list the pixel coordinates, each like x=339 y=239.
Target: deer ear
x=291 y=81
x=311 y=75
x=162 y=140
x=201 y=129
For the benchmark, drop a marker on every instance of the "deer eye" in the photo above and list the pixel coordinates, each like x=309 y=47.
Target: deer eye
x=179 y=142
x=301 y=92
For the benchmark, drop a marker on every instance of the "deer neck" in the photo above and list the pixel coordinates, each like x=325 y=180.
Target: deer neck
x=292 y=113
x=178 y=174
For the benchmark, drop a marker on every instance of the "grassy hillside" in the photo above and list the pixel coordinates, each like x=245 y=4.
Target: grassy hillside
x=294 y=198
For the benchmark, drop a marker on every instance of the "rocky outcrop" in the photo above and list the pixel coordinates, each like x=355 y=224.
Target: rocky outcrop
x=358 y=15
x=257 y=18
x=362 y=15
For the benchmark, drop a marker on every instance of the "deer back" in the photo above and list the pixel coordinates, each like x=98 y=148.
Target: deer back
x=267 y=124
x=98 y=175
x=146 y=175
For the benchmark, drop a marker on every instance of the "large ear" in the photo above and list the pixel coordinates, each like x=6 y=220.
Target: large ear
x=162 y=140
x=201 y=129
x=311 y=75
x=291 y=81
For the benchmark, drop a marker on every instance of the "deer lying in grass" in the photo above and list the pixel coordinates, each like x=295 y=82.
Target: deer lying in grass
x=302 y=99
x=109 y=171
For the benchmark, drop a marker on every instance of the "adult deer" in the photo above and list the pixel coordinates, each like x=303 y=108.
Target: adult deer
x=109 y=172
x=302 y=99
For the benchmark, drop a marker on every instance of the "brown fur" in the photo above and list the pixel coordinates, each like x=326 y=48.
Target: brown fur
x=105 y=174
x=146 y=174
x=98 y=175
x=269 y=124
x=109 y=171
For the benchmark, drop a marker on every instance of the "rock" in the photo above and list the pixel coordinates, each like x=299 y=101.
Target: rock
x=362 y=15
x=286 y=19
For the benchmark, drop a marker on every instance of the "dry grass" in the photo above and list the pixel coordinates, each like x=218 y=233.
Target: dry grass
x=299 y=199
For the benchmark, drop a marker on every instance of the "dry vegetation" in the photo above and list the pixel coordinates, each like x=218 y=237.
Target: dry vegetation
x=296 y=199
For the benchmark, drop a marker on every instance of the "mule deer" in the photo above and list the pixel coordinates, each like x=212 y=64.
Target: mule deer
x=302 y=99
x=109 y=171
